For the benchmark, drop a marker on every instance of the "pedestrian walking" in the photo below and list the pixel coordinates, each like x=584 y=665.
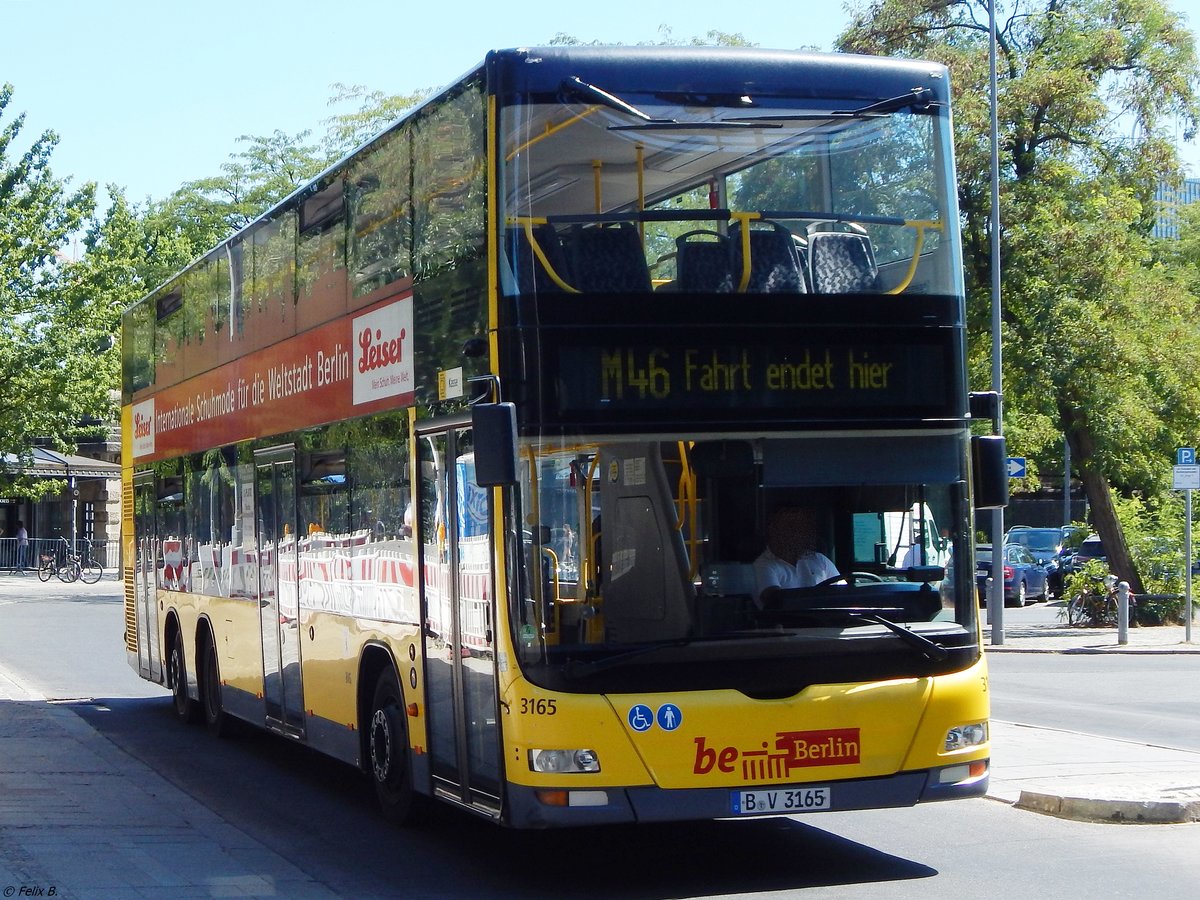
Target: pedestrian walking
x=22 y=544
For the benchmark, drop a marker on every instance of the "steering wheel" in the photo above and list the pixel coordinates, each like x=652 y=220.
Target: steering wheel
x=834 y=580
x=849 y=579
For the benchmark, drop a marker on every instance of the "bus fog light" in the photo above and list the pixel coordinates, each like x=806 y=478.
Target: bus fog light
x=967 y=736
x=566 y=761
x=967 y=772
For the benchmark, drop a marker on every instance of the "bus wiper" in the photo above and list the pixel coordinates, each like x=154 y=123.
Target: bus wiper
x=931 y=649
x=918 y=98
x=576 y=668
x=675 y=125
x=574 y=86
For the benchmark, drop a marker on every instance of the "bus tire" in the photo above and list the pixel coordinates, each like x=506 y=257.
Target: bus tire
x=387 y=750
x=186 y=709
x=216 y=720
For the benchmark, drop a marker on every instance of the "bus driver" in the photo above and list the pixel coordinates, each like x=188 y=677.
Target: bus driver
x=791 y=559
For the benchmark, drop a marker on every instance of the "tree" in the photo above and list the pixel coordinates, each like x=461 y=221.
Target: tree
x=208 y=210
x=376 y=110
x=1086 y=90
x=38 y=215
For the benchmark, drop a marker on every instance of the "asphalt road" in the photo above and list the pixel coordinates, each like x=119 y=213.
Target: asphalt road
x=319 y=815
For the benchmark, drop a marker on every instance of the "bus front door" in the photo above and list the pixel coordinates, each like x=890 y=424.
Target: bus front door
x=278 y=598
x=458 y=602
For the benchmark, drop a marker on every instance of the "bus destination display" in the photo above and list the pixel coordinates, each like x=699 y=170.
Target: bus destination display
x=909 y=377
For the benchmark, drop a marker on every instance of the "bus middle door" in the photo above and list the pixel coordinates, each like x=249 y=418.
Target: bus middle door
x=278 y=598
x=454 y=533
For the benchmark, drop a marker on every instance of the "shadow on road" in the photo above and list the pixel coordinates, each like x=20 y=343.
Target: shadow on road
x=320 y=815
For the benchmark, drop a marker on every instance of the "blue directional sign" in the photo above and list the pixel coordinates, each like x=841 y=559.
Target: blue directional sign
x=1185 y=456
x=1016 y=467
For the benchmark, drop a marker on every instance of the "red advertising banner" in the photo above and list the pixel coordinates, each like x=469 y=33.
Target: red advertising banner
x=354 y=366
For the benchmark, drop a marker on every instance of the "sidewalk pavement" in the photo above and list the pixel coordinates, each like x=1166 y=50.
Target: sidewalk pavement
x=81 y=817
x=1081 y=776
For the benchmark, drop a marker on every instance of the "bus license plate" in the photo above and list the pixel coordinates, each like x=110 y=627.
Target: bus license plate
x=781 y=800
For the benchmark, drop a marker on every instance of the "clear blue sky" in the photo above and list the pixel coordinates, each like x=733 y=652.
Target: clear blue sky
x=148 y=94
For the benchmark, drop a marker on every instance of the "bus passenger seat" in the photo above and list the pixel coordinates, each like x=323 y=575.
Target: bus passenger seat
x=703 y=262
x=774 y=262
x=842 y=263
x=608 y=258
x=532 y=276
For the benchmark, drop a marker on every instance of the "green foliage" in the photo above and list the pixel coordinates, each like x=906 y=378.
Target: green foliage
x=51 y=337
x=376 y=110
x=1154 y=528
x=270 y=167
x=1180 y=257
x=1087 y=578
x=1099 y=343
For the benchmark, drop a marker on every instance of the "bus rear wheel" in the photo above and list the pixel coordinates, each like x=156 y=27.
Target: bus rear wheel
x=387 y=746
x=216 y=720
x=186 y=709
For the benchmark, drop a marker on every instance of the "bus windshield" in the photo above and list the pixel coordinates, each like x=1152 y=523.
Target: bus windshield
x=654 y=563
x=613 y=190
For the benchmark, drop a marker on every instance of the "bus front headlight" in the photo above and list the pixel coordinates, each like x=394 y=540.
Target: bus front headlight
x=564 y=761
x=963 y=736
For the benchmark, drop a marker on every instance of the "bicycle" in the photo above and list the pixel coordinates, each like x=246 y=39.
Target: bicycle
x=46 y=566
x=70 y=567
x=1091 y=608
x=90 y=569
x=58 y=563
x=1097 y=605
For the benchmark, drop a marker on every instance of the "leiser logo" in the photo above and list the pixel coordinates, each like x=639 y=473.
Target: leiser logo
x=143 y=428
x=791 y=750
x=383 y=342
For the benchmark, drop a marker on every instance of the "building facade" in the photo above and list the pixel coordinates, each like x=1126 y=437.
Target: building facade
x=1172 y=198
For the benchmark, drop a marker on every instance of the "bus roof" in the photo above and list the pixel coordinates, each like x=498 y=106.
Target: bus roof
x=714 y=70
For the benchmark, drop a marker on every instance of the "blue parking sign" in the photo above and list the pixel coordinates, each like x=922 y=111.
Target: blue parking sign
x=1185 y=456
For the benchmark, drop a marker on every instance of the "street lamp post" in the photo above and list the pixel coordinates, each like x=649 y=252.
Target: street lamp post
x=996 y=600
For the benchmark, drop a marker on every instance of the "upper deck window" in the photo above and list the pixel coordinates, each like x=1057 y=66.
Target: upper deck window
x=704 y=170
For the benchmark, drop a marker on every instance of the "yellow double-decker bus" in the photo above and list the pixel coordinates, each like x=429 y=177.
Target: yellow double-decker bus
x=461 y=464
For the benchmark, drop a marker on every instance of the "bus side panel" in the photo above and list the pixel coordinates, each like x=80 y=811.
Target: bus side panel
x=333 y=646
x=238 y=641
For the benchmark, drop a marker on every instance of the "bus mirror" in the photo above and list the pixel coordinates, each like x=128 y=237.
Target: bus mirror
x=495 y=428
x=925 y=574
x=989 y=464
x=985 y=406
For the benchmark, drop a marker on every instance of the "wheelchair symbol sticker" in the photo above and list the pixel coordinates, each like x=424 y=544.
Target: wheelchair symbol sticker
x=641 y=718
x=669 y=717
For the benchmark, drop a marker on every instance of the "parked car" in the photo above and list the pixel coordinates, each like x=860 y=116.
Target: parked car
x=1074 y=554
x=1045 y=545
x=1091 y=548
x=1024 y=578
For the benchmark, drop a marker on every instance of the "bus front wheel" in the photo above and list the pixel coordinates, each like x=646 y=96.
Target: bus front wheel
x=388 y=750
